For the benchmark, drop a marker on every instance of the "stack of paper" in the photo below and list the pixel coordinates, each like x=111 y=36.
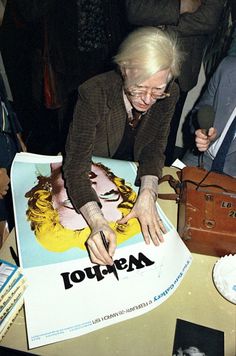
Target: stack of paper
x=12 y=286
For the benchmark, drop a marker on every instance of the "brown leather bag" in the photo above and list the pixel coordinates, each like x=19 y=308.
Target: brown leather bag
x=207 y=210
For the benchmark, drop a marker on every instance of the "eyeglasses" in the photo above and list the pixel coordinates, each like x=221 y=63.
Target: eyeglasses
x=156 y=93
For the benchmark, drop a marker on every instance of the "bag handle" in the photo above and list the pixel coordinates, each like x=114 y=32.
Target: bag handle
x=177 y=185
x=200 y=185
x=174 y=183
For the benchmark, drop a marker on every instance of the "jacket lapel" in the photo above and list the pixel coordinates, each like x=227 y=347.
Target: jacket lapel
x=224 y=114
x=116 y=117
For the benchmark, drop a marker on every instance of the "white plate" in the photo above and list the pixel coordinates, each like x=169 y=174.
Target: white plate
x=224 y=276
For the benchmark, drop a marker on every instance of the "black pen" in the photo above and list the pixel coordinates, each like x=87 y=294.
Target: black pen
x=106 y=245
x=14 y=256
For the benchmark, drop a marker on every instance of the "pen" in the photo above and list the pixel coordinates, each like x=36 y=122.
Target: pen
x=14 y=256
x=106 y=245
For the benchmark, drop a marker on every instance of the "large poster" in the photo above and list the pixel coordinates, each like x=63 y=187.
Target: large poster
x=68 y=295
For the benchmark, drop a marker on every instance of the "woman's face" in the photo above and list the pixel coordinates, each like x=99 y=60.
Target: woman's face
x=106 y=190
x=156 y=83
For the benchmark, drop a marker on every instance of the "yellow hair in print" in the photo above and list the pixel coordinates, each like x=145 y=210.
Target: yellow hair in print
x=53 y=236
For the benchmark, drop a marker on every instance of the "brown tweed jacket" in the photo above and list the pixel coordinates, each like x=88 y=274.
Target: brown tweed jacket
x=97 y=129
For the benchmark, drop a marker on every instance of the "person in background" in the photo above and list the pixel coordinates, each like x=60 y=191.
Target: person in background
x=78 y=38
x=10 y=143
x=124 y=114
x=193 y=21
x=232 y=47
x=221 y=96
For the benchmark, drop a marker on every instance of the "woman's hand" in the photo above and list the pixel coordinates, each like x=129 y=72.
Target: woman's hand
x=203 y=140
x=97 y=250
x=146 y=212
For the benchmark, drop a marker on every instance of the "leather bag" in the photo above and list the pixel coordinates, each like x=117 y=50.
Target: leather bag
x=206 y=210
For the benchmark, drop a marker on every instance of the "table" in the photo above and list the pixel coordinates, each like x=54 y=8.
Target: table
x=196 y=300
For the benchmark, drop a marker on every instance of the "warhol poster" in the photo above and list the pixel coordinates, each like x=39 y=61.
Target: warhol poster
x=62 y=281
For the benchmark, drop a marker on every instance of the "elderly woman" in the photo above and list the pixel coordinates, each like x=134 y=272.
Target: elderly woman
x=125 y=115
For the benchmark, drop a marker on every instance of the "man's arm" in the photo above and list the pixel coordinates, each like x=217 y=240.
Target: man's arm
x=153 y=12
x=204 y=21
x=190 y=7
x=158 y=12
x=187 y=17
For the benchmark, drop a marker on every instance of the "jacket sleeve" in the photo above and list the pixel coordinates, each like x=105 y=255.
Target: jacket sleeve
x=79 y=149
x=153 y=12
x=204 y=21
x=156 y=13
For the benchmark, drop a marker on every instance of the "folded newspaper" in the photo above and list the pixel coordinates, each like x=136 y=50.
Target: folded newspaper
x=62 y=281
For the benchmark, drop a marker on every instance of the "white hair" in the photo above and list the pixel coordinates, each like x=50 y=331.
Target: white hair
x=147 y=51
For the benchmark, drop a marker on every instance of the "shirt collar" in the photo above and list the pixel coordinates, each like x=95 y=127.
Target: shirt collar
x=128 y=106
